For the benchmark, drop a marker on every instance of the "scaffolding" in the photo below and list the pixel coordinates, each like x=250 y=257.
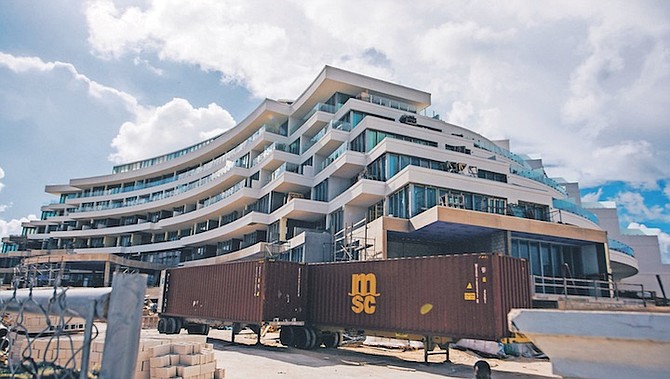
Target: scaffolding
x=352 y=242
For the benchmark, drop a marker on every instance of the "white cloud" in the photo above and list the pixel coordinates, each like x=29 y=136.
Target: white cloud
x=636 y=209
x=593 y=197
x=2 y=175
x=13 y=227
x=175 y=124
x=663 y=239
x=95 y=89
x=167 y=128
x=583 y=84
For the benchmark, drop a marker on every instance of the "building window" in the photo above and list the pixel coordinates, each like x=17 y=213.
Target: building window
x=375 y=211
x=321 y=191
x=336 y=221
x=374 y=137
x=398 y=203
x=294 y=147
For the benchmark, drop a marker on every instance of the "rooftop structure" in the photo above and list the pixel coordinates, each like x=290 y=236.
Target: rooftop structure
x=349 y=170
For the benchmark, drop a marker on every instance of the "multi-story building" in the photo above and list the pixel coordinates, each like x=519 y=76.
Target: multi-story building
x=351 y=169
x=652 y=272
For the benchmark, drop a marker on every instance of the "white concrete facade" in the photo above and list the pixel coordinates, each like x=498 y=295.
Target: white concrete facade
x=350 y=148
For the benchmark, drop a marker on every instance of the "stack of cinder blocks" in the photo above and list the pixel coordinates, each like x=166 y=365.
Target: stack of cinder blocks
x=37 y=323
x=158 y=357
x=56 y=350
x=187 y=360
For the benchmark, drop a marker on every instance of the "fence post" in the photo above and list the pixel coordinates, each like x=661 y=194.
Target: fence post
x=124 y=324
x=595 y=288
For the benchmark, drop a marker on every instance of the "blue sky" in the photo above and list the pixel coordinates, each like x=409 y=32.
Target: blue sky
x=584 y=85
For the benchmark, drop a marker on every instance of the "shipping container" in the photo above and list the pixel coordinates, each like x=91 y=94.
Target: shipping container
x=454 y=296
x=251 y=292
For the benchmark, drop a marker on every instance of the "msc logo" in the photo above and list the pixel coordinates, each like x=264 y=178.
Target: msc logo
x=363 y=293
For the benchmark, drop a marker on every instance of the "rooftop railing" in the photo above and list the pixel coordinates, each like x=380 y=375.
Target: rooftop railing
x=390 y=103
x=539 y=177
x=568 y=206
x=160 y=159
x=493 y=148
x=620 y=247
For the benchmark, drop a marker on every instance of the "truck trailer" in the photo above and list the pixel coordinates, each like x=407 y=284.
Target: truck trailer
x=436 y=299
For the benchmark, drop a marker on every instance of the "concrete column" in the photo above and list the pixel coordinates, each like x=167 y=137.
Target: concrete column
x=107 y=274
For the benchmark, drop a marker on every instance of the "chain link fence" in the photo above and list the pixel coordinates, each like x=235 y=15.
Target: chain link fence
x=49 y=332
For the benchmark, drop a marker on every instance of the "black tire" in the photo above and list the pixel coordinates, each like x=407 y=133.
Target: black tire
x=286 y=335
x=178 y=324
x=204 y=330
x=314 y=339
x=171 y=325
x=330 y=339
x=301 y=337
x=161 y=325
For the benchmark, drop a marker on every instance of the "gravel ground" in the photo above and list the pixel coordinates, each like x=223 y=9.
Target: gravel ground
x=271 y=360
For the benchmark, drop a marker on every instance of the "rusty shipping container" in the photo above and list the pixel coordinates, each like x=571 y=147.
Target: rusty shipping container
x=458 y=296
x=249 y=292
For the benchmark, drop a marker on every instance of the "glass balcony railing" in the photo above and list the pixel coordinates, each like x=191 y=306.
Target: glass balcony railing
x=163 y=195
x=620 y=247
x=225 y=194
x=319 y=107
x=539 y=177
x=390 y=103
x=281 y=130
x=337 y=125
x=268 y=150
x=334 y=155
x=286 y=167
x=568 y=206
x=163 y=158
x=493 y=148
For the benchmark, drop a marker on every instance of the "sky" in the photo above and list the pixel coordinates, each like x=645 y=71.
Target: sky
x=583 y=84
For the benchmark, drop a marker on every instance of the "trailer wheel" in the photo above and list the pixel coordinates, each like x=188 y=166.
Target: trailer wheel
x=161 y=325
x=313 y=338
x=331 y=339
x=171 y=325
x=301 y=337
x=199 y=329
x=286 y=335
x=178 y=325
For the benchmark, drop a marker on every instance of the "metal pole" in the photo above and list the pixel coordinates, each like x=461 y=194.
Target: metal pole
x=124 y=324
x=86 y=348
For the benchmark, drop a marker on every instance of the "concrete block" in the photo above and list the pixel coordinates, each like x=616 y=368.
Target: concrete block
x=160 y=350
x=207 y=356
x=190 y=359
x=162 y=361
x=163 y=372
x=182 y=348
x=208 y=368
x=174 y=359
x=187 y=371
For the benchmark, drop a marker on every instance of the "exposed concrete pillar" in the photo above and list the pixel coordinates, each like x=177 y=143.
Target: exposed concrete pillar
x=107 y=274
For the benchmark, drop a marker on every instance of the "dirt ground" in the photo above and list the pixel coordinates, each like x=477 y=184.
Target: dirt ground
x=271 y=360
